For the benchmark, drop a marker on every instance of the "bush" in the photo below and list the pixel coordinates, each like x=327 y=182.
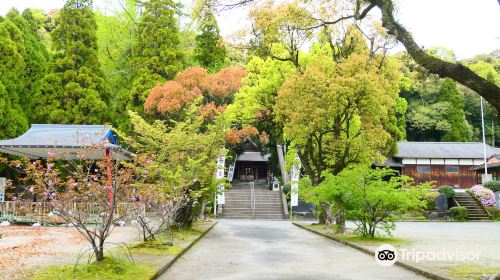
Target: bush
x=485 y=196
x=493 y=185
x=447 y=190
x=430 y=200
x=459 y=213
x=495 y=212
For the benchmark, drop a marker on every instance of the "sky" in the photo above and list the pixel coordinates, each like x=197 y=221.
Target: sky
x=468 y=27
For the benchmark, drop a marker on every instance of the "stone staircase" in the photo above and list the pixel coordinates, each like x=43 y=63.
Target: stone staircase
x=268 y=204
x=474 y=209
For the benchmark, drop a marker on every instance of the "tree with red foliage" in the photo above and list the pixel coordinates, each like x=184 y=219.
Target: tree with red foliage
x=216 y=90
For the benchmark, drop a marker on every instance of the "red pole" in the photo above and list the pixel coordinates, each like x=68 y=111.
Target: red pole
x=110 y=177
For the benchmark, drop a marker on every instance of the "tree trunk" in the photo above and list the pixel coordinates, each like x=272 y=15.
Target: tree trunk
x=281 y=159
x=328 y=218
x=340 y=220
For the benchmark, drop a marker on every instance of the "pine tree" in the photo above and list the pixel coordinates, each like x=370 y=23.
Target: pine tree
x=460 y=130
x=157 y=56
x=74 y=90
x=12 y=119
x=36 y=55
x=210 y=51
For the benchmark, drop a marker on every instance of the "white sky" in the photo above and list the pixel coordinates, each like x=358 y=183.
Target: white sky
x=468 y=27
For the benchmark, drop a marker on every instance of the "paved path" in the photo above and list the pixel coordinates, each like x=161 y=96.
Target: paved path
x=239 y=249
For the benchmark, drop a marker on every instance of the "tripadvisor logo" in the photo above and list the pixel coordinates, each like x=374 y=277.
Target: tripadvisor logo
x=386 y=255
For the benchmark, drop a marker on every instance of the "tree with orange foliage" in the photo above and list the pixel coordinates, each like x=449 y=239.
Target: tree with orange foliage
x=216 y=90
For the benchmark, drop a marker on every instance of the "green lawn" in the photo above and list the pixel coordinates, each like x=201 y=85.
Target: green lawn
x=350 y=237
x=109 y=269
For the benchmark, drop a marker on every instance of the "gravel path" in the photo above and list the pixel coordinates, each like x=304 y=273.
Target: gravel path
x=243 y=249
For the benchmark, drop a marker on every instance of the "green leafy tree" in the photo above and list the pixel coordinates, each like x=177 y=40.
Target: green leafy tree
x=459 y=130
x=12 y=52
x=116 y=35
x=36 y=55
x=184 y=156
x=156 y=55
x=370 y=197
x=74 y=91
x=210 y=51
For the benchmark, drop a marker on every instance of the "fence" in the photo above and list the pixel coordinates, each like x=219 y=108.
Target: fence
x=42 y=212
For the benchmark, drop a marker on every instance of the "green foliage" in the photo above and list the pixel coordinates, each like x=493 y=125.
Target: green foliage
x=109 y=268
x=182 y=157
x=458 y=213
x=13 y=121
x=370 y=197
x=459 y=130
x=36 y=56
x=340 y=114
x=447 y=190
x=493 y=185
x=430 y=200
x=116 y=34
x=74 y=91
x=210 y=51
x=156 y=54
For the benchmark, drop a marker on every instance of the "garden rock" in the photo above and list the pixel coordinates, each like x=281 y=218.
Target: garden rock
x=442 y=202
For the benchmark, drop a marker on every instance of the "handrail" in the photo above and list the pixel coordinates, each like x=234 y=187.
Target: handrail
x=252 y=198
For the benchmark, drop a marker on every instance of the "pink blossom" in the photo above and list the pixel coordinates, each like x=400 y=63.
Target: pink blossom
x=96 y=170
x=50 y=182
x=31 y=189
x=53 y=194
x=49 y=166
x=18 y=165
x=50 y=154
x=14 y=198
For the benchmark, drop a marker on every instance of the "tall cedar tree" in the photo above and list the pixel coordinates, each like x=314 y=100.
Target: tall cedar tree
x=210 y=51
x=36 y=58
x=12 y=119
x=157 y=56
x=74 y=90
x=459 y=131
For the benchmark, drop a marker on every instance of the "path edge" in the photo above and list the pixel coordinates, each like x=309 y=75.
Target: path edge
x=165 y=267
x=411 y=267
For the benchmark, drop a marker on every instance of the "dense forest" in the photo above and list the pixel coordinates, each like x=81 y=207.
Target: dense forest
x=77 y=65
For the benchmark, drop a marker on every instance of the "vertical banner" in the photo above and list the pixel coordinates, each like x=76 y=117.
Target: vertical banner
x=2 y=189
x=220 y=175
x=230 y=172
x=295 y=175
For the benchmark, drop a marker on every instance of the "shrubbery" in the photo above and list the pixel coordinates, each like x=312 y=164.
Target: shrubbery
x=493 y=185
x=459 y=213
x=485 y=195
x=447 y=190
x=430 y=200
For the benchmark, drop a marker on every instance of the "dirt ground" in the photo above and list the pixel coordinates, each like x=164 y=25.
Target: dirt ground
x=24 y=249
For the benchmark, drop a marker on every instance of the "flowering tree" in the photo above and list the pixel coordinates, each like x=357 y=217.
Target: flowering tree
x=156 y=206
x=79 y=192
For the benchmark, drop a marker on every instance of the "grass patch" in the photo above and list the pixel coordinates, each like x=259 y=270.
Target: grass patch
x=471 y=271
x=376 y=240
x=359 y=239
x=109 y=269
x=155 y=247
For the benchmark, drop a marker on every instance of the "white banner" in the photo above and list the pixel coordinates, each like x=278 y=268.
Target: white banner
x=220 y=175
x=295 y=176
x=2 y=189
x=230 y=172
